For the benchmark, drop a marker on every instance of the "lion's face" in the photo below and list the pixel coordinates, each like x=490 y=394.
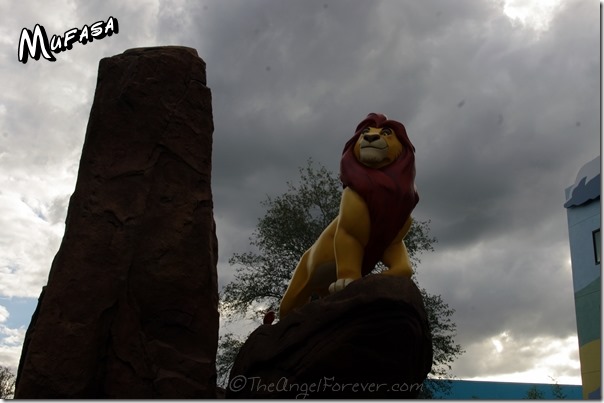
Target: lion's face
x=377 y=147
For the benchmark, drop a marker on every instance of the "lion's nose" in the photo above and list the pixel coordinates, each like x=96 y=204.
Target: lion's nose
x=371 y=137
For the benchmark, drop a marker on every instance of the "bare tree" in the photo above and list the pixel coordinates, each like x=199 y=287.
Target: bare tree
x=7 y=383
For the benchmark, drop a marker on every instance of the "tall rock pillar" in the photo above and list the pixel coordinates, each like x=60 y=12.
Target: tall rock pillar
x=130 y=308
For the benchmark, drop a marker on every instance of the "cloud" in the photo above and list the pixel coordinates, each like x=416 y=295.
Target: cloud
x=28 y=240
x=3 y=314
x=11 y=341
x=520 y=359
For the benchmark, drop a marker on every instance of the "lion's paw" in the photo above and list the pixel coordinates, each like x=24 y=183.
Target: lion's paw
x=339 y=285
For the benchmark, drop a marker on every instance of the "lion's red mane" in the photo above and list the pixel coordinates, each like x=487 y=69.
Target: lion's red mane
x=389 y=192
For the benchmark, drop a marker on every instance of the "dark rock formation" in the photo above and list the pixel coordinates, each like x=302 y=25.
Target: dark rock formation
x=130 y=309
x=370 y=340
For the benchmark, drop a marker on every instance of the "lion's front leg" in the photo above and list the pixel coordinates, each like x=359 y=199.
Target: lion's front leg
x=351 y=237
x=349 y=257
x=396 y=257
x=397 y=260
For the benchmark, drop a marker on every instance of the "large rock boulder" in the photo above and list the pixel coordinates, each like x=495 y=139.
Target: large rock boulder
x=130 y=308
x=370 y=340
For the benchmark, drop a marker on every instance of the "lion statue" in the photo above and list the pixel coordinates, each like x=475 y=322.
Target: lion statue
x=377 y=171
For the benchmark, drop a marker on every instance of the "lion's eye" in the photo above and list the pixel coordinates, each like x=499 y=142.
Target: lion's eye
x=365 y=131
x=386 y=132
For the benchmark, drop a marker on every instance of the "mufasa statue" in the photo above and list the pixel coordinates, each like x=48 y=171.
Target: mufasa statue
x=378 y=171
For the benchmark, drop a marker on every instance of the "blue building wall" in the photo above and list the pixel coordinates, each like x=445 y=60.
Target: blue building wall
x=583 y=210
x=465 y=390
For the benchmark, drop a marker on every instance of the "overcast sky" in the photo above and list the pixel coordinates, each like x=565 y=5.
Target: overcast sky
x=500 y=98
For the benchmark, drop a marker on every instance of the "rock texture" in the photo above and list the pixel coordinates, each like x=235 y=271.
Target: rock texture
x=130 y=309
x=370 y=340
